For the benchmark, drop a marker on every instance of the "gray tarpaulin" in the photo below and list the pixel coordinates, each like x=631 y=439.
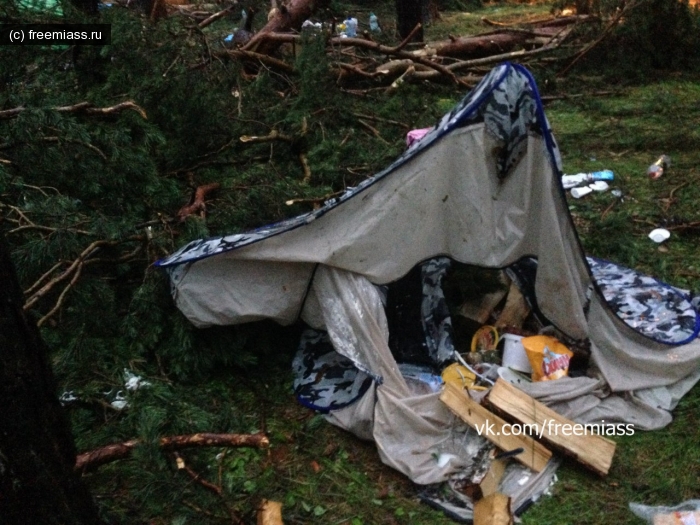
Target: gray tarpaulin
x=482 y=188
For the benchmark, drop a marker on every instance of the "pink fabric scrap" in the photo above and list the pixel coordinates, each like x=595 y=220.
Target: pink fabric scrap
x=415 y=135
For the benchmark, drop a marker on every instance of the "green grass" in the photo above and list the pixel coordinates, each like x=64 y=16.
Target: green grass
x=626 y=133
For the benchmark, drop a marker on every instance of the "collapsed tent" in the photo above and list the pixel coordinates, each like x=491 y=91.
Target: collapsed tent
x=482 y=188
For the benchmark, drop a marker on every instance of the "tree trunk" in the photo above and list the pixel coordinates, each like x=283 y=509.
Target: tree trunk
x=409 y=13
x=37 y=453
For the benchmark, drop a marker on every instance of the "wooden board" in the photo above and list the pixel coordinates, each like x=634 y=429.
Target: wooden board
x=492 y=479
x=595 y=452
x=270 y=513
x=472 y=413
x=493 y=510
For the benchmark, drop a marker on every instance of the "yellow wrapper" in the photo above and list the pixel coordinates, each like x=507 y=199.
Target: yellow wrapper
x=548 y=357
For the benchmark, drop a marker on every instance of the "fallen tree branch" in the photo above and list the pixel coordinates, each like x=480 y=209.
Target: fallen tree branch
x=91 y=460
x=294 y=141
x=260 y=57
x=408 y=39
x=197 y=203
x=31 y=300
x=61 y=298
x=213 y=18
x=46 y=229
x=82 y=107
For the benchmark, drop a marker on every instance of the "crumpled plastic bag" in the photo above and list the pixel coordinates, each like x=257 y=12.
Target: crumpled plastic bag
x=686 y=513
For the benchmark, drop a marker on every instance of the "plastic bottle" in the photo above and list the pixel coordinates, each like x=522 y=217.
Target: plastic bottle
x=659 y=167
x=351 y=27
x=571 y=181
x=374 y=23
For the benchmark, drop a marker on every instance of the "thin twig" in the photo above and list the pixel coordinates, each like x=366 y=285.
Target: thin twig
x=380 y=119
x=47 y=229
x=61 y=297
x=373 y=130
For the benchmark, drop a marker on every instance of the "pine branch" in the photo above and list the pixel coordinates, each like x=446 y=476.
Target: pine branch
x=95 y=458
x=75 y=141
x=216 y=489
x=61 y=298
x=70 y=270
x=82 y=107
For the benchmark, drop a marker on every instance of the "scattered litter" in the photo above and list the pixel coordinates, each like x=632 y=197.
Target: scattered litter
x=459 y=374
x=686 y=513
x=415 y=135
x=599 y=185
x=133 y=382
x=351 y=27
x=657 y=169
x=548 y=357
x=374 y=24
x=68 y=397
x=548 y=491
x=616 y=193
x=514 y=355
x=659 y=235
x=571 y=181
x=120 y=402
x=523 y=480
x=308 y=24
x=443 y=459
x=512 y=377
x=577 y=193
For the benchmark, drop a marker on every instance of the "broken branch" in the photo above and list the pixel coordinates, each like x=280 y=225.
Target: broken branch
x=82 y=107
x=197 y=203
x=95 y=458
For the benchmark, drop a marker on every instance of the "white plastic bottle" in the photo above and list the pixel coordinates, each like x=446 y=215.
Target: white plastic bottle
x=351 y=27
x=571 y=181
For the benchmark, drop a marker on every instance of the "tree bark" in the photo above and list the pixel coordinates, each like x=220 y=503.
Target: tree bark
x=409 y=13
x=37 y=452
x=291 y=17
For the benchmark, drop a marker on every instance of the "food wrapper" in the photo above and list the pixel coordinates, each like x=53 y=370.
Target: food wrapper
x=548 y=357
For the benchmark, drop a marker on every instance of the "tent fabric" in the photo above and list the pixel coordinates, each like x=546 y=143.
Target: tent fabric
x=482 y=188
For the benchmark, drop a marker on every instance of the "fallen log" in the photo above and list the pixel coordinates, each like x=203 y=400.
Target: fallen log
x=103 y=455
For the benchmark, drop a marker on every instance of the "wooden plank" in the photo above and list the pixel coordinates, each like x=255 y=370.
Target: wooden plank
x=595 y=452
x=492 y=479
x=493 y=510
x=515 y=310
x=491 y=427
x=270 y=513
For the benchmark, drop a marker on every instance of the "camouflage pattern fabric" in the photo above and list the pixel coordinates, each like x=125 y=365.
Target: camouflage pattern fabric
x=506 y=100
x=324 y=380
x=651 y=307
x=435 y=314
